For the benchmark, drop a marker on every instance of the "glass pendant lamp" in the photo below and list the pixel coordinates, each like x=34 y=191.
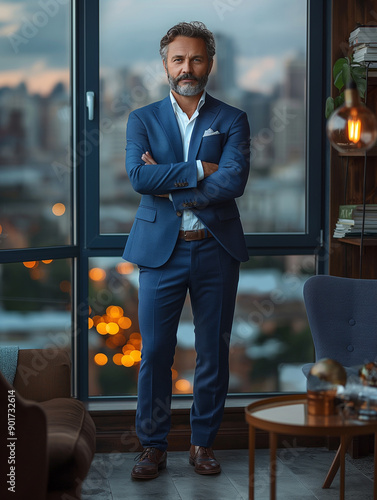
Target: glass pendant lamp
x=352 y=127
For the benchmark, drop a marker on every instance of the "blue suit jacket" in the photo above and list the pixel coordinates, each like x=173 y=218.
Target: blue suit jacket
x=154 y=128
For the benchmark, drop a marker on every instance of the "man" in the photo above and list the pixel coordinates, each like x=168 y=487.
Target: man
x=188 y=155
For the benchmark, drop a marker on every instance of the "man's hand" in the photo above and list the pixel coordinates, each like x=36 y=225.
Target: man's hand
x=209 y=168
x=148 y=159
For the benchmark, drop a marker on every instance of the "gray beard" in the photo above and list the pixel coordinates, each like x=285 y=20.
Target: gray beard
x=188 y=89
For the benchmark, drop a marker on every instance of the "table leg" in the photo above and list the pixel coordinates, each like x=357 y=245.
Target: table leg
x=251 y=461
x=343 y=446
x=375 y=468
x=335 y=466
x=273 y=446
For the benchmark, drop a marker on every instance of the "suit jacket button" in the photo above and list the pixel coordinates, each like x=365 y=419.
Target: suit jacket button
x=179 y=214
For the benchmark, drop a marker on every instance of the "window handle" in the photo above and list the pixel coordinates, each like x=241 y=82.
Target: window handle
x=90 y=105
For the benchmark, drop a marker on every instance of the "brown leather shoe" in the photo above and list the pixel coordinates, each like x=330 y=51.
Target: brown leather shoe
x=204 y=460
x=150 y=462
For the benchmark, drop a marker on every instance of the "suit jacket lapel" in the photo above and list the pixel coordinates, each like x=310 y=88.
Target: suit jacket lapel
x=207 y=114
x=166 y=117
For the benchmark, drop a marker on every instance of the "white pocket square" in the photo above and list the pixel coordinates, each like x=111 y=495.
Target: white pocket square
x=210 y=132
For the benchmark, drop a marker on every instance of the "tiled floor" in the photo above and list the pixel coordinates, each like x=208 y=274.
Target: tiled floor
x=300 y=474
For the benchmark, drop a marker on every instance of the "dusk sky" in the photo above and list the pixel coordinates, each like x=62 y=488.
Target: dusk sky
x=265 y=35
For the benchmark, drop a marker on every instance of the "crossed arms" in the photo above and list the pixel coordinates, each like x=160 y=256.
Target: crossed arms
x=222 y=182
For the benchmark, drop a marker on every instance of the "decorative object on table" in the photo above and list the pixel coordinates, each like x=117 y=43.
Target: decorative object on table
x=324 y=378
x=368 y=377
x=368 y=374
x=359 y=396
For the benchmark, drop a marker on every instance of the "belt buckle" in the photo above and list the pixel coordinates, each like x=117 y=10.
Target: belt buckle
x=189 y=235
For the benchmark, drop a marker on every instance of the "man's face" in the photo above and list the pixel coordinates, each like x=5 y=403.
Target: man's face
x=187 y=65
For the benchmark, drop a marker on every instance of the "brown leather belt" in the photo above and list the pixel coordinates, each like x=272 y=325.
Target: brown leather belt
x=199 y=234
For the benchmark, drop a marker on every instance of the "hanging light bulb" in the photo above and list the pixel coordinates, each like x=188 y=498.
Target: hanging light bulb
x=352 y=127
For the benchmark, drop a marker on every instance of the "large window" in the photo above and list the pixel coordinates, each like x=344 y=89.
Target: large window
x=260 y=67
x=67 y=206
x=269 y=343
x=36 y=251
x=35 y=124
x=35 y=304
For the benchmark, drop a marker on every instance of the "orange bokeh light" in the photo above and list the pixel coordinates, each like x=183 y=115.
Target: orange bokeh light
x=125 y=268
x=124 y=322
x=65 y=286
x=30 y=264
x=174 y=374
x=183 y=385
x=97 y=319
x=127 y=360
x=117 y=358
x=90 y=323
x=97 y=274
x=112 y=328
x=102 y=328
x=100 y=359
x=119 y=339
x=136 y=355
x=35 y=274
x=110 y=343
x=47 y=261
x=58 y=209
x=128 y=348
x=135 y=335
x=114 y=312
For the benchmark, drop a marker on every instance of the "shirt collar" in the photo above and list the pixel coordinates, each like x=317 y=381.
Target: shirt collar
x=177 y=108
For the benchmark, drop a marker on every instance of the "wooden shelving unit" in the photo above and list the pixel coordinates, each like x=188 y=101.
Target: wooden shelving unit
x=368 y=242
x=344 y=253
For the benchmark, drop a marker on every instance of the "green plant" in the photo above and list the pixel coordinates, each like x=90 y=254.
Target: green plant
x=345 y=70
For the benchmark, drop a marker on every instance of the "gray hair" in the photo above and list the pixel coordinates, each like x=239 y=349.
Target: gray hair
x=194 y=29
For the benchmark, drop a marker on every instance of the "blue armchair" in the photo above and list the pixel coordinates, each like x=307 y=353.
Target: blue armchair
x=342 y=314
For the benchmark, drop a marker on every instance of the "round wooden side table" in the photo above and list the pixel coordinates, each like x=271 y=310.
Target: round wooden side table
x=288 y=415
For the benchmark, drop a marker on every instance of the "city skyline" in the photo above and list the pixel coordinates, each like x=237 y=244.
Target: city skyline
x=266 y=36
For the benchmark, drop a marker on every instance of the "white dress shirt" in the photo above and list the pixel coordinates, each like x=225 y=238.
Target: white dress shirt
x=186 y=126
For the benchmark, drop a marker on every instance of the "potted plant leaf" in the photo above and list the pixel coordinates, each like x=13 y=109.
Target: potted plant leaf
x=345 y=70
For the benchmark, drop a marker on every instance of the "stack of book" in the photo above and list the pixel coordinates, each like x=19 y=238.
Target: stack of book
x=351 y=219
x=363 y=40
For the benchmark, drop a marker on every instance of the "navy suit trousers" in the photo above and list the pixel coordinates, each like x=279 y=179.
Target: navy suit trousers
x=210 y=275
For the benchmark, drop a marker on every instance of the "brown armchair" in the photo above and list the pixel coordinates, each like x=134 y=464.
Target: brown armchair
x=47 y=438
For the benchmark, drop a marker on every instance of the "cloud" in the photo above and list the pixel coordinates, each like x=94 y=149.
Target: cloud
x=259 y=74
x=10 y=12
x=38 y=78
